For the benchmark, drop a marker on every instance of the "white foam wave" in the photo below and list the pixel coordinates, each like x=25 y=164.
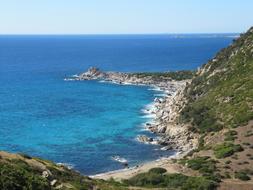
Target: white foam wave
x=69 y=166
x=149 y=116
x=156 y=89
x=161 y=95
x=119 y=159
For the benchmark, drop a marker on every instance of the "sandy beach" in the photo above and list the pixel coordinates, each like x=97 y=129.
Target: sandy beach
x=127 y=173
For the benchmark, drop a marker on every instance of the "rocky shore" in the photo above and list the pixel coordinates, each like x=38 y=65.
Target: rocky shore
x=171 y=134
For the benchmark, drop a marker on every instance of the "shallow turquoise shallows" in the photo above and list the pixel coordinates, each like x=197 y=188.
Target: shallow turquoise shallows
x=85 y=123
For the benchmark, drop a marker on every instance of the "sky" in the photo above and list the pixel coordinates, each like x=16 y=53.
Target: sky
x=124 y=16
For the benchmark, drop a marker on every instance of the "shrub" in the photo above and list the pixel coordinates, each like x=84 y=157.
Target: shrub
x=201 y=142
x=148 y=179
x=246 y=143
x=158 y=170
x=15 y=177
x=199 y=183
x=248 y=134
x=226 y=149
x=227 y=175
x=203 y=164
x=242 y=175
x=230 y=135
x=178 y=181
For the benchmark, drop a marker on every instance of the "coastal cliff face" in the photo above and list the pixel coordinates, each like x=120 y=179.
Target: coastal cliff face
x=175 y=135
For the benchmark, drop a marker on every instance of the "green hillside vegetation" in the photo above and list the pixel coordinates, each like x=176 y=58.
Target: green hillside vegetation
x=226 y=149
x=221 y=95
x=22 y=172
x=206 y=167
x=154 y=179
x=219 y=106
x=177 y=75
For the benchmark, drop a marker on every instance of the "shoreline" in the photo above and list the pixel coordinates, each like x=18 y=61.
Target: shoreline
x=126 y=173
x=163 y=123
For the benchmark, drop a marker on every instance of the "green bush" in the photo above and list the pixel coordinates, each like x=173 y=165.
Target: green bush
x=248 y=134
x=15 y=177
x=147 y=180
x=227 y=175
x=158 y=170
x=199 y=183
x=242 y=175
x=201 y=142
x=230 y=135
x=175 y=181
x=154 y=177
x=203 y=164
x=226 y=149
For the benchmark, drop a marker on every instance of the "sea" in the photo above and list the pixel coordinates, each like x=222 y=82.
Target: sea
x=85 y=124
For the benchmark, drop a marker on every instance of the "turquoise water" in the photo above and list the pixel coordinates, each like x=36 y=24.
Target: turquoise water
x=85 y=123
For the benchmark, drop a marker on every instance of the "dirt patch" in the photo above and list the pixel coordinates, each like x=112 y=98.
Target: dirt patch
x=235 y=185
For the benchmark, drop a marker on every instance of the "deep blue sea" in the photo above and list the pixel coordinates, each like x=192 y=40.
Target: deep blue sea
x=85 y=123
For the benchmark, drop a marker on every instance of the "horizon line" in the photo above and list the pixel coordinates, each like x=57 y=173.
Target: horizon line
x=97 y=34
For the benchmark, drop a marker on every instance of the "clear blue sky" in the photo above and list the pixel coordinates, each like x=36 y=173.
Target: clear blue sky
x=124 y=16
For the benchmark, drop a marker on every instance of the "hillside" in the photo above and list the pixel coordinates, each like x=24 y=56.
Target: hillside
x=221 y=95
x=22 y=172
x=219 y=107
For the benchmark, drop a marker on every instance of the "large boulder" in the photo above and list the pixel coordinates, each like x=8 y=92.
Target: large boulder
x=144 y=139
